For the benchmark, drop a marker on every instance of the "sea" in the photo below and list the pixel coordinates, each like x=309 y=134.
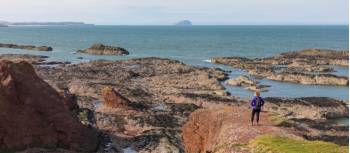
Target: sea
x=194 y=45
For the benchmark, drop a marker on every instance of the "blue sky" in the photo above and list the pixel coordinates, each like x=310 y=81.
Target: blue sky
x=162 y=12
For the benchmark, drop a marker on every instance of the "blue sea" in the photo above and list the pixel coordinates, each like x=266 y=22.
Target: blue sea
x=193 y=45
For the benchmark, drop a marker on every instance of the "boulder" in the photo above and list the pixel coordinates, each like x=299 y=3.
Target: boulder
x=100 y=49
x=33 y=114
x=241 y=81
x=44 y=48
x=248 y=83
x=113 y=99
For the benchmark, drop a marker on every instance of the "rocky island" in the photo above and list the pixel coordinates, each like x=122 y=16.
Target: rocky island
x=100 y=49
x=184 y=23
x=152 y=105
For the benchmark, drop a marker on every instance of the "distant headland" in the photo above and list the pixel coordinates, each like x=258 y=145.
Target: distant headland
x=6 y=23
x=184 y=23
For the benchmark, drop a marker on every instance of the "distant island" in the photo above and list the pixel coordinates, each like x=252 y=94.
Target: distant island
x=6 y=23
x=184 y=23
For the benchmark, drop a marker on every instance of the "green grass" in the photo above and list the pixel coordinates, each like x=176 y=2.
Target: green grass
x=277 y=144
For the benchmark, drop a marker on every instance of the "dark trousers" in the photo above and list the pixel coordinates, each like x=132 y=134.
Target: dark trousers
x=257 y=112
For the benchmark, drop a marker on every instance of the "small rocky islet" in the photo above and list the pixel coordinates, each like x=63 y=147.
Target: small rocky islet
x=147 y=105
x=101 y=49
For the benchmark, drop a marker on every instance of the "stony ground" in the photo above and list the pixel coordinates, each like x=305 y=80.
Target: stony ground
x=156 y=105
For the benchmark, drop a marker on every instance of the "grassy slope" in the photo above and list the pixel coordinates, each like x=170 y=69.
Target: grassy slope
x=276 y=144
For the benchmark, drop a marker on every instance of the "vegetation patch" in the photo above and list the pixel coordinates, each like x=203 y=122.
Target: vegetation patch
x=276 y=118
x=278 y=144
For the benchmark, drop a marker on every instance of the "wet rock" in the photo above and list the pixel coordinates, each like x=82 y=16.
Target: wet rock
x=33 y=114
x=26 y=47
x=100 y=49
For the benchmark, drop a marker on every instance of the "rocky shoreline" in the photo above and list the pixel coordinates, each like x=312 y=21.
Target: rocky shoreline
x=26 y=47
x=157 y=105
x=310 y=66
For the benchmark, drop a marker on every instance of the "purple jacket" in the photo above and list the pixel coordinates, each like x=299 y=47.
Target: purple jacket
x=254 y=102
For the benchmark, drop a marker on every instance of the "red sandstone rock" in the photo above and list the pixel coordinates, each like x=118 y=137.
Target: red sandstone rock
x=215 y=130
x=114 y=99
x=69 y=101
x=32 y=113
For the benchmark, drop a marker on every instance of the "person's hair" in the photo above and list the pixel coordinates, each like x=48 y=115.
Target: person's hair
x=257 y=93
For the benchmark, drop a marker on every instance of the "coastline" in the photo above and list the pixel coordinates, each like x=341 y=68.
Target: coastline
x=174 y=101
x=160 y=95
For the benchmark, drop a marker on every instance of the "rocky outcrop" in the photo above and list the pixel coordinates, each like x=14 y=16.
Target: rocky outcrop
x=303 y=78
x=228 y=129
x=308 y=107
x=33 y=114
x=302 y=67
x=162 y=94
x=113 y=99
x=241 y=81
x=248 y=83
x=317 y=53
x=100 y=49
x=26 y=47
x=309 y=117
x=223 y=130
x=32 y=59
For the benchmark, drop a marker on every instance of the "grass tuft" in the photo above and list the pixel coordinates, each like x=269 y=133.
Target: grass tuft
x=277 y=144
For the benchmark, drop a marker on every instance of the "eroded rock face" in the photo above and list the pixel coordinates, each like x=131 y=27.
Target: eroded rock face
x=302 y=67
x=33 y=114
x=223 y=130
x=27 y=47
x=100 y=49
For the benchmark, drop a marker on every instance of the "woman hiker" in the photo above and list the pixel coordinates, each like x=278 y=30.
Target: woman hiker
x=256 y=104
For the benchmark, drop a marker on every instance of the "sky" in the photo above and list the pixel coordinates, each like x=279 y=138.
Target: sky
x=164 y=12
